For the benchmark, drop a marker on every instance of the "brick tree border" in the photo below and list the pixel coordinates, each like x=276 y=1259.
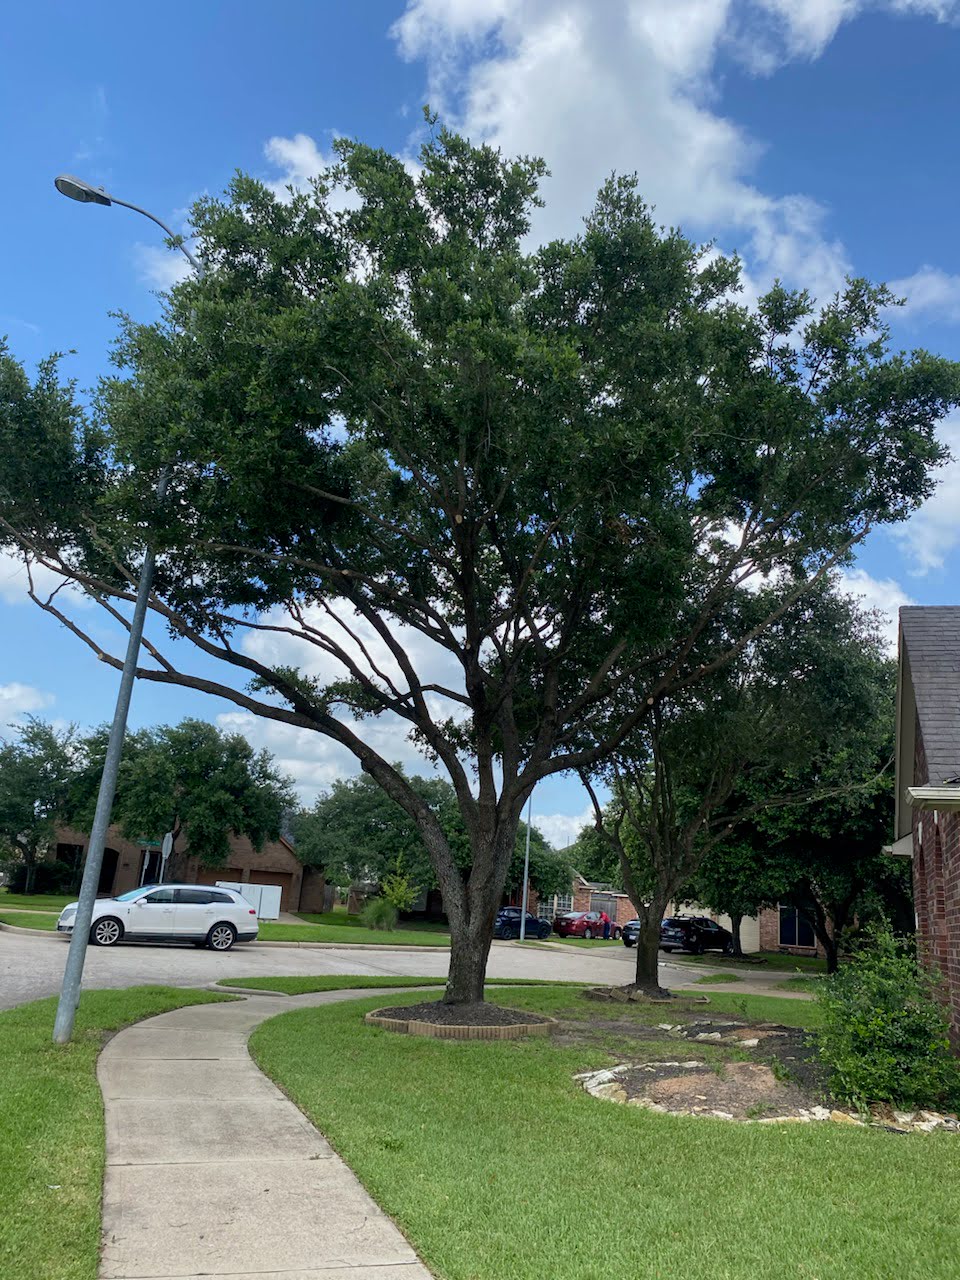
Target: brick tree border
x=449 y=1031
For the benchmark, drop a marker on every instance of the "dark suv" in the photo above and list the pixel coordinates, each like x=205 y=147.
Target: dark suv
x=694 y=933
x=507 y=925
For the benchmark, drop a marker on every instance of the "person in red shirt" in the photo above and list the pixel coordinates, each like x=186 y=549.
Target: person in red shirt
x=605 y=921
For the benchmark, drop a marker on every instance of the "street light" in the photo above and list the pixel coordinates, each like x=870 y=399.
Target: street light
x=526 y=875
x=82 y=191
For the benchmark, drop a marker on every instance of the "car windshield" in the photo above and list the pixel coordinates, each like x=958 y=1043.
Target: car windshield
x=134 y=893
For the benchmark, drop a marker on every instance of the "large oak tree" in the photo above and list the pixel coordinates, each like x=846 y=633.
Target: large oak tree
x=424 y=473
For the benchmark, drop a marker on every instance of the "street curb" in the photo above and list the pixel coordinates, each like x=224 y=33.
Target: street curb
x=245 y=991
x=34 y=933
x=351 y=946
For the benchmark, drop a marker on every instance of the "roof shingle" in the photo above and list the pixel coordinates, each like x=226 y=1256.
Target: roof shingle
x=931 y=635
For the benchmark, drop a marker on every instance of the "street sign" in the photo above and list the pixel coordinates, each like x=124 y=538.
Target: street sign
x=167 y=845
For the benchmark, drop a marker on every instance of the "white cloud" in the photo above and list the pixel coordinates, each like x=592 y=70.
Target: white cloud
x=882 y=594
x=562 y=829
x=159 y=267
x=934 y=532
x=14 y=582
x=929 y=294
x=630 y=86
x=298 y=158
x=18 y=700
x=625 y=87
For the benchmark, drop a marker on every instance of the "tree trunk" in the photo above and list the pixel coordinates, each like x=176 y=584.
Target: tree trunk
x=736 y=947
x=469 y=951
x=647 y=977
x=28 y=878
x=832 y=951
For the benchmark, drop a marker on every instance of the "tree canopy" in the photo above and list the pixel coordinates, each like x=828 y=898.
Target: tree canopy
x=423 y=473
x=192 y=780
x=357 y=833
x=37 y=769
x=749 y=743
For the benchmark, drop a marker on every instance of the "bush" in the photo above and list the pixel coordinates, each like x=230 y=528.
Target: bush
x=399 y=889
x=379 y=914
x=884 y=1034
x=48 y=877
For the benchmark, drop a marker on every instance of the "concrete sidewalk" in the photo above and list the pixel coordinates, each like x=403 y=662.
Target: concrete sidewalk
x=212 y=1171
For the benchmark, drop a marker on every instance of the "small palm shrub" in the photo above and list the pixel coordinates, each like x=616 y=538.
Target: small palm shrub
x=379 y=913
x=884 y=1034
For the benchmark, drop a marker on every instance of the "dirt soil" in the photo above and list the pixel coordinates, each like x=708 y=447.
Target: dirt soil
x=741 y=1090
x=460 y=1015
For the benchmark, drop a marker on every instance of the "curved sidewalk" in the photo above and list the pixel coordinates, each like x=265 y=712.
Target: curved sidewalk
x=212 y=1171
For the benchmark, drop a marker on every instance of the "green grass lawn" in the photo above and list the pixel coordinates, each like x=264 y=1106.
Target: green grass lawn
x=586 y=942
x=51 y=1130
x=801 y=982
x=27 y=919
x=767 y=959
x=338 y=919
x=35 y=901
x=720 y=977
x=340 y=982
x=496 y=1164
x=399 y=937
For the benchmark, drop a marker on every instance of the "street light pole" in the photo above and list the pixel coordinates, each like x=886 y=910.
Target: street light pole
x=77 y=189
x=526 y=875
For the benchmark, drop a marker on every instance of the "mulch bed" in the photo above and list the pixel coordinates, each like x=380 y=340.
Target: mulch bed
x=460 y=1015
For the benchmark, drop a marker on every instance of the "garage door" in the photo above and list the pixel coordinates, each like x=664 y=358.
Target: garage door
x=210 y=875
x=283 y=878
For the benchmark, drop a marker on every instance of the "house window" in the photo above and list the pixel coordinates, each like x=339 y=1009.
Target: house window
x=795 y=929
x=547 y=908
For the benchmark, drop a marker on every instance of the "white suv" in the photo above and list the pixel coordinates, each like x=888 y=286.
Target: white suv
x=207 y=917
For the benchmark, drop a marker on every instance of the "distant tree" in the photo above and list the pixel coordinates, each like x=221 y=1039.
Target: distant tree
x=357 y=833
x=753 y=737
x=498 y=492
x=824 y=854
x=192 y=780
x=38 y=766
x=739 y=877
x=592 y=855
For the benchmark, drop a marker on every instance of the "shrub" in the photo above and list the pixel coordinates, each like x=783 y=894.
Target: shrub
x=884 y=1033
x=398 y=888
x=379 y=914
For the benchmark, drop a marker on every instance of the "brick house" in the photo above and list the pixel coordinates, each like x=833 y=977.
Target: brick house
x=129 y=863
x=928 y=783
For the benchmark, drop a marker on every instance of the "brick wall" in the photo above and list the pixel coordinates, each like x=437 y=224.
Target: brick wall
x=936 y=888
x=770 y=936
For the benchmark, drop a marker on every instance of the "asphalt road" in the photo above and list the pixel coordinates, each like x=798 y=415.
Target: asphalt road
x=32 y=967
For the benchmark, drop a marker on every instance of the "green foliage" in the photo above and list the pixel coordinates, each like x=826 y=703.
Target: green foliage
x=398 y=889
x=190 y=779
x=379 y=913
x=37 y=768
x=883 y=1034
x=400 y=433
x=358 y=834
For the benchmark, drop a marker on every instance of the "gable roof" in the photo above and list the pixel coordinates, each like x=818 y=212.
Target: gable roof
x=929 y=689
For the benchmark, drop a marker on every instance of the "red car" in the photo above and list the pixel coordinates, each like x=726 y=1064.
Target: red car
x=582 y=924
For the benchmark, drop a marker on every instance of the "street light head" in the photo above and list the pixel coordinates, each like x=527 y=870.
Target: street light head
x=77 y=189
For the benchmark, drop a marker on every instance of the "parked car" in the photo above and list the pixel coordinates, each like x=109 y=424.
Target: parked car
x=507 y=925
x=207 y=917
x=694 y=933
x=583 y=924
x=631 y=932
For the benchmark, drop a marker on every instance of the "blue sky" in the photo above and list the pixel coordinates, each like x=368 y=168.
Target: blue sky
x=815 y=137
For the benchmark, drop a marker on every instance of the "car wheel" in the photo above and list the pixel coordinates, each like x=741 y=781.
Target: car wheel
x=627 y=942
x=588 y=934
x=221 y=937
x=728 y=949
x=668 y=950
x=697 y=948
x=617 y=934
x=106 y=932
x=544 y=934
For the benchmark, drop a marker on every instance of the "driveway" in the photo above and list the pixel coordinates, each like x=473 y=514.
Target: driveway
x=32 y=967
